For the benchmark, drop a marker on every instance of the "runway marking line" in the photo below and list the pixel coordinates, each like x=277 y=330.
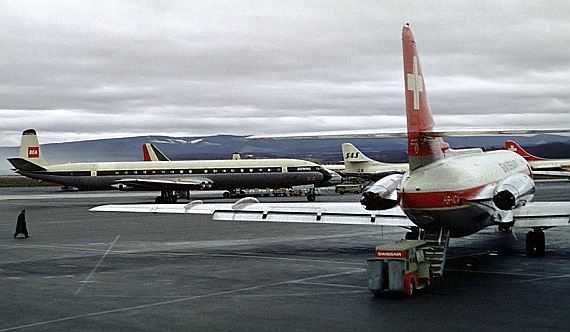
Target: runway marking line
x=46 y=246
x=291 y=259
x=132 y=252
x=285 y=259
x=96 y=266
x=156 y=304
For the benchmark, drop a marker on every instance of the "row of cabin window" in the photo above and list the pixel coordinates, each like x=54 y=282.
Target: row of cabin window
x=205 y=171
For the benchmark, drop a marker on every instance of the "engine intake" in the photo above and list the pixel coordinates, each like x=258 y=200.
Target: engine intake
x=513 y=192
x=382 y=194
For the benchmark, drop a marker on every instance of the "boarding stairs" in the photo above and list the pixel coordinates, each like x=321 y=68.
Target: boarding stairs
x=436 y=245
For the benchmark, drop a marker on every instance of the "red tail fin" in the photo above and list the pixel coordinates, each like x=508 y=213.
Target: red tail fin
x=146 y=155
x=422 y=149
x=512 y=146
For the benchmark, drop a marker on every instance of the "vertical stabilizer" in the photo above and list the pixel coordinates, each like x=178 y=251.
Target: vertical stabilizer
x=152 y=153
x=30 y=148
x=422 y=149
x=351 y=154
x=512 y=146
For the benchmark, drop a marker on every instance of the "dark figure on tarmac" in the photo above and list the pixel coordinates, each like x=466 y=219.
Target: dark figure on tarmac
x=21 y=225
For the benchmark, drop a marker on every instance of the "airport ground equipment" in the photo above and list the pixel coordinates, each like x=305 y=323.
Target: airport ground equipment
x=400 y=266
x=348 y=188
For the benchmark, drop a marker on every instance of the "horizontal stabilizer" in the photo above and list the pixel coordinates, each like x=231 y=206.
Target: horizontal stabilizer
x=24 y=165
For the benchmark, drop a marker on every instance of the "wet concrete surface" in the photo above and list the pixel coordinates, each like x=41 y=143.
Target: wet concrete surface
x=87 y=271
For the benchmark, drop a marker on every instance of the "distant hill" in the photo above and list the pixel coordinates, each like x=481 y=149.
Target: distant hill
x=223 y=146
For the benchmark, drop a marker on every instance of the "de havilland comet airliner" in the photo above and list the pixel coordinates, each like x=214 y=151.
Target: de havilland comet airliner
x=445 y=191
x=168 y=177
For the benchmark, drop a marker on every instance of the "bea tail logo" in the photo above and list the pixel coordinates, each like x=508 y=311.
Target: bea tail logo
x=33 y=152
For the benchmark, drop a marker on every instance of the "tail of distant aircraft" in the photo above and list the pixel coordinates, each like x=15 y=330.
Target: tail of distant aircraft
x=351 y=154
x=152 y=153
x=512 y=146
x=357 y=164
x=423 y=148
x=30 y=158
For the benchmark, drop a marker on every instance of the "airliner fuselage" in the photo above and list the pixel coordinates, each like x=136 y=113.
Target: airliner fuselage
x=456 y=192
x=224 y=174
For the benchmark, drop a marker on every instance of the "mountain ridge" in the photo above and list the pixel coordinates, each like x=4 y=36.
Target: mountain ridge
x=326 y=151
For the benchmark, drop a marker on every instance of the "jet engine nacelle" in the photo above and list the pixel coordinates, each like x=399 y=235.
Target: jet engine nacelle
x=513 y=192
x=382 y=194
x=122 y=186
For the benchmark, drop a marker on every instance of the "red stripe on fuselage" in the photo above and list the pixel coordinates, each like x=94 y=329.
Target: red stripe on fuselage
x=439 y=199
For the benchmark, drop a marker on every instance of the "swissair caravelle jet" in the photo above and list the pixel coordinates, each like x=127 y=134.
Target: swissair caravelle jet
x=168 y=177
x=445 y=191
x=553 y=168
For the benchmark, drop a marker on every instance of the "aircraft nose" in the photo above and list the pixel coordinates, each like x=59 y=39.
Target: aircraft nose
x=326 y=174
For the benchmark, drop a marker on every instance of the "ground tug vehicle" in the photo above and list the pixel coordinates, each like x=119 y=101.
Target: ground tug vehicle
x=404 y=266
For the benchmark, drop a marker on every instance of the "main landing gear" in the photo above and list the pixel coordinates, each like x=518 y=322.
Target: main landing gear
x=311 y=195
x=168 y=197
x=535 y=243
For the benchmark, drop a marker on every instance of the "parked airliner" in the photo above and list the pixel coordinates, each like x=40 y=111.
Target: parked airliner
x=152 y=153
x=358 y=164
x=168 y=177
x=444 y=191
x=549 y=168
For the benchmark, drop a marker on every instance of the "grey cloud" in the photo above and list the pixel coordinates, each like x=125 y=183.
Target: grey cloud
x=86 y=69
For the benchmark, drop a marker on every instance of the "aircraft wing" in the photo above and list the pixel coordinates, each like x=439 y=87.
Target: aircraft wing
x=166 y=183
x=542 y=214
x=535 y=214
x=334 y=134
x=550 y=171
x=249 y=209
x=404 y=134
x=552 y=174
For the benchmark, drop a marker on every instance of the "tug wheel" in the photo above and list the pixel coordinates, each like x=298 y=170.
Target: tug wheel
x=412 y=288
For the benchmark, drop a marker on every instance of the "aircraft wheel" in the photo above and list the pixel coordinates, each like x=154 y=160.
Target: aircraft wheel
x=530 y=243
x=540 y=242
x=535 y=243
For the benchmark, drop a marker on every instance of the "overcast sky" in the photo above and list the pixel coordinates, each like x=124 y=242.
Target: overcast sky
x=76 y=70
